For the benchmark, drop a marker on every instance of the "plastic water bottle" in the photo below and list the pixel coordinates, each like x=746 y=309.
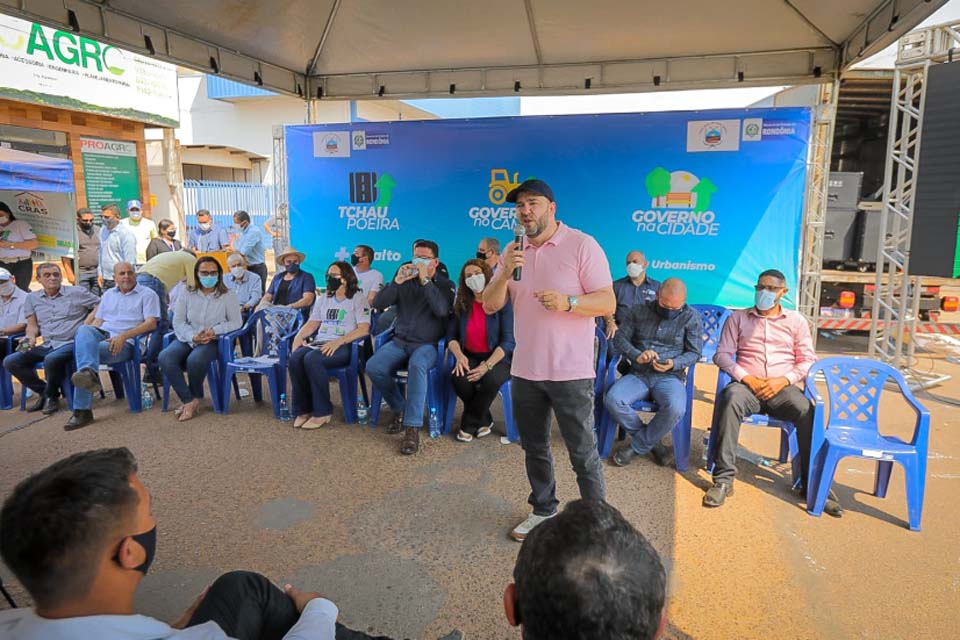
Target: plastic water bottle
x=434 y=423
x=146 y=396
x=284 y=408
x=363 y=417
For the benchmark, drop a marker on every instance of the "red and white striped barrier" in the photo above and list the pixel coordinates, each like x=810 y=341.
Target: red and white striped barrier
x=863 y=324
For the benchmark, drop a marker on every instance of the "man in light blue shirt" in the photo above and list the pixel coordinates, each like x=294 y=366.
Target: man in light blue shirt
x=246 y=284
x=208 y=236
x=251 y=243
x=117 y=244
x=126 y=311
x=82 y=573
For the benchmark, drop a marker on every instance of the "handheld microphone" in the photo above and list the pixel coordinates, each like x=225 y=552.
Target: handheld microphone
x=518 y=233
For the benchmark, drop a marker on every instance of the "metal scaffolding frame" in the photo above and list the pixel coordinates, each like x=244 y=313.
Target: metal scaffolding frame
x=819 y=154
x=896 y=304
x=280 y=207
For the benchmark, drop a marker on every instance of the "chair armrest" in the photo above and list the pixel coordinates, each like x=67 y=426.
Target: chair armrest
x=381 y=339
x=922 y=429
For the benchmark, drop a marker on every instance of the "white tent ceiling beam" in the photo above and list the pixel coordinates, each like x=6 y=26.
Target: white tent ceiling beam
x=419 y=48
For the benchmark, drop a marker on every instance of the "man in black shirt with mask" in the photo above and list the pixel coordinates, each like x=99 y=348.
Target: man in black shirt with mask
x=82 y=270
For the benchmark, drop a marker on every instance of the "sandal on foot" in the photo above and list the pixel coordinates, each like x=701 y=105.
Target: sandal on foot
x=463 y=436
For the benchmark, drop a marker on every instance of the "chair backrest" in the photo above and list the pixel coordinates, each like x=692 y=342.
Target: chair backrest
x=271 y=325
x=713 y=318
x=853 y=390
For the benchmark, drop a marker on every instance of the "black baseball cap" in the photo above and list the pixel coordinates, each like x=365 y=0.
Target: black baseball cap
x=538 y=187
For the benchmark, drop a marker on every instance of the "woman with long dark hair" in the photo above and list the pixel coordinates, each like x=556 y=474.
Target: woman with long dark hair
x=17 y=241
x=338 y=318
x=202 y=314
x=165 y=240
x=482 y=346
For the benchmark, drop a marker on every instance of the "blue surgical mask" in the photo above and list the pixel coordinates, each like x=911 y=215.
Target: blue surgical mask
x=421 y=261
x=765 y=300
x=293 y=268
x=208 y=282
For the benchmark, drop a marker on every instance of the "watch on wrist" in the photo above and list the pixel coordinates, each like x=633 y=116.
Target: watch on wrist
x=572 y=301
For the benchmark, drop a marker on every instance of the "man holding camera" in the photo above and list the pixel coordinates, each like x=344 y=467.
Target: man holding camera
x=661 y=339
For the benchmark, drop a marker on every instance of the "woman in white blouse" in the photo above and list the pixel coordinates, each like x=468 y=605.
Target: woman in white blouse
x=201 y=315
x=17 y=242
x=337 y=319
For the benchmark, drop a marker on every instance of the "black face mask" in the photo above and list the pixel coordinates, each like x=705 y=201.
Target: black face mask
x=147 y=540
x=354 y=260
x=85 y=226
x=333 y=283
x=667 y=314
x=172 y=234
x=481 y=255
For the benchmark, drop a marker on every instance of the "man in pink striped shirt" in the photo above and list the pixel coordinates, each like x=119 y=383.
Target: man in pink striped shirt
x=767 y=350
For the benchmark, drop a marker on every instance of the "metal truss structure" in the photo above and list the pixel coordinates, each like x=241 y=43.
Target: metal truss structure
x=896 y=305
x=280 y=205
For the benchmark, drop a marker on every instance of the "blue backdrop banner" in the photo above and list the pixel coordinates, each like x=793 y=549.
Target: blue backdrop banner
x=713 y=197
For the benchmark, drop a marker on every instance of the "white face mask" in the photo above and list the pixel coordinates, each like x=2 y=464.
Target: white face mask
x=635 y=270
x=7 y=288
x=237 y=272
x=476 y=282
x=136 y=215
x=205 y=226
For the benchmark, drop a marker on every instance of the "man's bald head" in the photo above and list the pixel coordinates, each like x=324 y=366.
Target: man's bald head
x=124 y=276
x=673 y=293
x=638 y=257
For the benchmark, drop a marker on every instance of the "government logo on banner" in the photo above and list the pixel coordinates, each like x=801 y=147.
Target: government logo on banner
x=502 y=182
x=370 y=196
x=679 y=205
x=713 y=135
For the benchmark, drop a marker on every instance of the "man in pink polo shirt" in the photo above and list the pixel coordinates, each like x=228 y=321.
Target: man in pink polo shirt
x=767 y=350
x=565 y=285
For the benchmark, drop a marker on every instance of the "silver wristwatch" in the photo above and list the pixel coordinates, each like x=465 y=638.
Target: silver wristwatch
x=572 y=301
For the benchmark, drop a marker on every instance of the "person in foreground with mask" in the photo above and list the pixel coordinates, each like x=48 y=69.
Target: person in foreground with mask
x=634 y=288
x=83 y=554
x=291 y=286
x=323 y=342
x=203 y=314
x=117 y=245
x=423 y=299
x=207 y=236
x=660 y=339
x=245 y=284
x=143 y=229
x=767 y=350
x=481 y=346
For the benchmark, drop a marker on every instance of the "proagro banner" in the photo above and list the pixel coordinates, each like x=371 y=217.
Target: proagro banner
x=51 y=217
x=61 y=69
x=110 y=173
x=713 y=197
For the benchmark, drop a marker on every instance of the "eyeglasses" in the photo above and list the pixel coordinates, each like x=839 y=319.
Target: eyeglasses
x=768 y=287
x=208 y=273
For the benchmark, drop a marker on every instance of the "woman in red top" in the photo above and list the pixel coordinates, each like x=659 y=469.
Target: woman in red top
x=481 y=346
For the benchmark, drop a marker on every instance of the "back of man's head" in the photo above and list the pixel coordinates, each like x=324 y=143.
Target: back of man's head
x=57 y=525
x=588 y=574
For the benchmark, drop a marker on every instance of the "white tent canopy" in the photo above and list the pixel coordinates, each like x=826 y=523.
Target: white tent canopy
x=422 y=48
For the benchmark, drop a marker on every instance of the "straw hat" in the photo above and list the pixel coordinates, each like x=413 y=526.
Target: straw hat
x=290 y=251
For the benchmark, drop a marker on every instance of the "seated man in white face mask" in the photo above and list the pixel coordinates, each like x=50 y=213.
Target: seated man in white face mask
x=245 y=284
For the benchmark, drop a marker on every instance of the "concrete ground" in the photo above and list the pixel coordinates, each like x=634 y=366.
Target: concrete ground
x=414 y=547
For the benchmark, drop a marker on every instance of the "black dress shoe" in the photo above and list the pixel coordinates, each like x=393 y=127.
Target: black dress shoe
x=660 y=454
x=717 y=494
x=396 y=424
x=51 y=406
x=623 y=456
x=79 y=419
x=38 y=404
x=411 y=441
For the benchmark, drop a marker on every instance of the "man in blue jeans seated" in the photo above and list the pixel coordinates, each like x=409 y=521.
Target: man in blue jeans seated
x=660 y=339
x=126 y=311
x=423 y=299
x=80 y=537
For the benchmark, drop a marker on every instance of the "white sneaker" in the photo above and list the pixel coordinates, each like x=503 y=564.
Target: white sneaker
x=523 y=529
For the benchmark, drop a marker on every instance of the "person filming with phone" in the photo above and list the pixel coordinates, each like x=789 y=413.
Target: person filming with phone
x=660 y=338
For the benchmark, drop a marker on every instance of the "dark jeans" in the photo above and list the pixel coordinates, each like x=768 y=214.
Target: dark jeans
x=572 y=403
x=737 y=402
x=247 y=606
x=310 y=380
x=260 y=270
x=23 y=367
x=155 y=343
x=478 y=396
x=89 y=282
x=22 y=270
x=180 y=356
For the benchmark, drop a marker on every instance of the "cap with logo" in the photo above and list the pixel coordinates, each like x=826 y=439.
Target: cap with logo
x=533 y=185
x=134 y=204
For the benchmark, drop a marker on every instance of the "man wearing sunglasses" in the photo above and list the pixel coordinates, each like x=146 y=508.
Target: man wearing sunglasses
x=767 y=350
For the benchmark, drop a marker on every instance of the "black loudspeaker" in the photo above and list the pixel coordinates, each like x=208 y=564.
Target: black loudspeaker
x=934 y=247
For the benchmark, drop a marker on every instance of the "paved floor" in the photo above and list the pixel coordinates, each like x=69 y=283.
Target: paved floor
x=414 y=547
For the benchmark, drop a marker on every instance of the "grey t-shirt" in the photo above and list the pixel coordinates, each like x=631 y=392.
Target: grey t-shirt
x=337 y=318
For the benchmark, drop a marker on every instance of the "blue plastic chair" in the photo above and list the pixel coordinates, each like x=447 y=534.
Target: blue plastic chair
x=214 y=380
x=788 y=432
x=67 y=388
x=6 y=380
x=436 y=397
x=847 y=425
x=126 y=377
x=275 y=328
x=348 y=378
x=713 y=318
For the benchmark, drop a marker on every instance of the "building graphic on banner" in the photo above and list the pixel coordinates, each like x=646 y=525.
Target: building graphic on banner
x=680 y=205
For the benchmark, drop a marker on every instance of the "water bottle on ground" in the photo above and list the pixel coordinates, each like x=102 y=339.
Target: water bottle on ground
x=363 y=416
x=146 y=396
x=434 y=423
x=284 y=408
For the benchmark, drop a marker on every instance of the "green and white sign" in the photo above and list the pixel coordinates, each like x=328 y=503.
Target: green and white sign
x=61 y=69
x=110 y=173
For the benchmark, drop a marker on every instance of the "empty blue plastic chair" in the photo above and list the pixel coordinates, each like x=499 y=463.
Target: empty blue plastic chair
x=348 y=377
x=436 y=382
x=847 y=425
x=268 y=335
